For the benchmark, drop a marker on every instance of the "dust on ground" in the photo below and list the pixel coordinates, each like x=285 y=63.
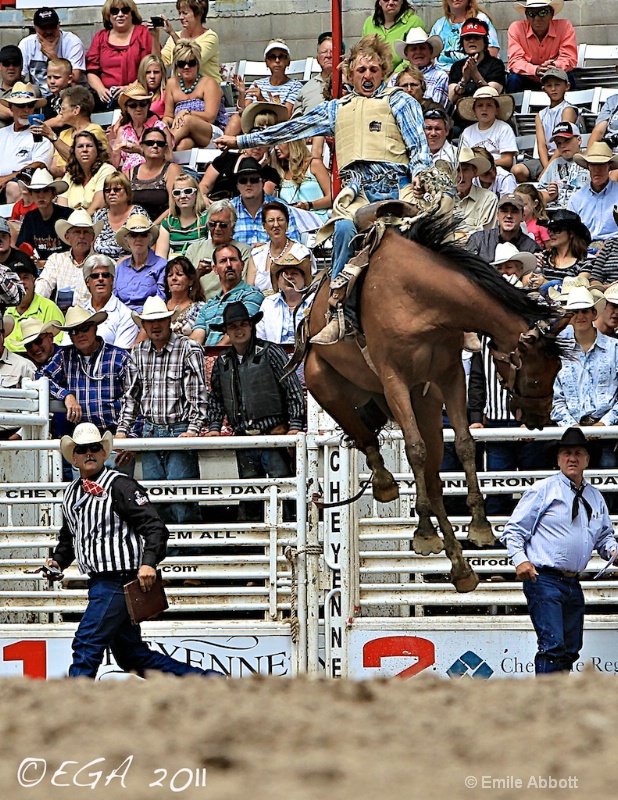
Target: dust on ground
x=303 y=739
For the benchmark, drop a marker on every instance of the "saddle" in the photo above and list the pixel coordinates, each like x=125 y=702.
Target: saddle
x=390 y=211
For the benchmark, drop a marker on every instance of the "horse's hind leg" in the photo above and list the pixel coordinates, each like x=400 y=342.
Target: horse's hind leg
x=428 y=408
x=340 y=398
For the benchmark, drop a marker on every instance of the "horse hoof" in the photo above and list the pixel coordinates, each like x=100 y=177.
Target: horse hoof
x=386 y=494
x=427 y=545
x=481 y=535
x=467 y=582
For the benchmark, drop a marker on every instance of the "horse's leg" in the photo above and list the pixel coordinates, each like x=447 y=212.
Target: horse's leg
x=428 y=408
x=454 y=393
x=340 y=398
x=426 y=539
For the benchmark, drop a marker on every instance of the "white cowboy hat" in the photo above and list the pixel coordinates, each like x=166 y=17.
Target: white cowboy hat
x=85 y=433
x=8 y=325
x=555 y=4
x=33 y=327
x=21 y=94
x=611 y=294
x=80 y=218
x=468 y=156
x=77 y=317
x=154 y=308
x=418 y=36
x=137 y=223
x=43 y=179
x=597 y=153
x=251 y=111
x=506 y=251
x=560 y=295
x=580 y=298
x=506 y=104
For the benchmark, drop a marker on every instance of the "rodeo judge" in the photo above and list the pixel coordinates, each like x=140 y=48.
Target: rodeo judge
x=550 y=538
x=116 y=535
x=380 y=144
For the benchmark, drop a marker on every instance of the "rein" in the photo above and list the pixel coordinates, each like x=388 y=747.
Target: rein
x=514 y=361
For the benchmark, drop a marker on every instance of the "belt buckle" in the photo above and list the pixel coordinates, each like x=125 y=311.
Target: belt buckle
x=569 y=574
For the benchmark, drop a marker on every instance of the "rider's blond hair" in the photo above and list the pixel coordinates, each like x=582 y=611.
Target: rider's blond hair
x=372 y=46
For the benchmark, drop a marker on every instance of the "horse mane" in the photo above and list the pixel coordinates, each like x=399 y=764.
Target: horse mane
x=434 y=231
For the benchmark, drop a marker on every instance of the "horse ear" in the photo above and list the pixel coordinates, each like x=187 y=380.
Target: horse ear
x=558 y=324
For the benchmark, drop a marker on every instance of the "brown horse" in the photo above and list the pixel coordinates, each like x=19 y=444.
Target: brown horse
x=419 y=295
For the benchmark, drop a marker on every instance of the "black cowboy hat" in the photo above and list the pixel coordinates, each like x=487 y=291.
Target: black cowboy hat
x=248 y=166
x=574 y=437
x=235 y=312
x=569 y=220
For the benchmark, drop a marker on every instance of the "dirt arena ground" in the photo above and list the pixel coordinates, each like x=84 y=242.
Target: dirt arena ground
x=279 y=739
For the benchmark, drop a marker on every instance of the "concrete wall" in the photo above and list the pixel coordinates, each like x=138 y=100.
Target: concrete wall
x=245 y=26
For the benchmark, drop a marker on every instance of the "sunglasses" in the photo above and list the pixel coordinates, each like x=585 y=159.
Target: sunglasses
x=81 y=329
x=216 y=224
x=188 y=192
x=244 y=181
x=556 y=229
x=542 y=12
x=113 y=189
x=113 y=12
x=154 y=143
x=10 y=64
x=138 y=235
x=277 y=56
x=36 y=343
x=96 y=275
x=82 y=449
x=138 y=104
x=184 y=64
x=25 y=105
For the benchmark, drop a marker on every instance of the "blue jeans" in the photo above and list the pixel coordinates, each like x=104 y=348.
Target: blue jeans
x=256 y=463
x=346 y=230
x=106 y=623
x=171 y=465
x=556 y=608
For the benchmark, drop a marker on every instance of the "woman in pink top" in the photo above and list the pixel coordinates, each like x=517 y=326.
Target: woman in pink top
x=116 y=51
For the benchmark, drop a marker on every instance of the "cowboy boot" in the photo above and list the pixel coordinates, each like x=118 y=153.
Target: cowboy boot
x=335 y=328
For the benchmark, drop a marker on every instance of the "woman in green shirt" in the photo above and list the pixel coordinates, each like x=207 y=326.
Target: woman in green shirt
x=391 y=20
x=187 y=220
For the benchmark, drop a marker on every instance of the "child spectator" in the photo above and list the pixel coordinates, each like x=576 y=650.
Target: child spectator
x=555 y=83
x=59 y=76
x=497 y=179
x=563 y=176
x=22 y=206
x=152 y=75
x=534 y=211
x=490 y=111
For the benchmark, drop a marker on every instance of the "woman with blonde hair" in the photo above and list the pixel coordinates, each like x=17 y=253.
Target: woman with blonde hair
x=305 y=180
x=192 y=101
x=448 y=28
x=187 y=220
x=192 y=15
x=152 y=75
x=115 y=53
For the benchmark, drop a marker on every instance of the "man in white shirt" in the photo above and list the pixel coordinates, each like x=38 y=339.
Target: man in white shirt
x=118 y=329
x=49 y=42
x=17 y=145
x=437 y=126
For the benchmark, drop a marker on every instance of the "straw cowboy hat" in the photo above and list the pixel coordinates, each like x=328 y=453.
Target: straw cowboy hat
x=43 y=179
x=467 y=156
x=85 y=433
x=134 y=91
x=22 y=94
x=418 y=36
x=154 y=308
x=235 y=312
x=561 y=295
x=33 y=327
x=580 y=298
x=80 y=218
x=555 y=4
x=137 y=223
x=290 y=260
x=247 y=120
x=597 y=153
x=611 y=294
x=77 y=318
x=505 y=103
x=506 y=251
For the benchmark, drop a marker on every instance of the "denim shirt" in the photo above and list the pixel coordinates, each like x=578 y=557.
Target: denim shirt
x=587 y=384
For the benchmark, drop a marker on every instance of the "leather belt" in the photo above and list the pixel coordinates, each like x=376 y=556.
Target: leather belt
x=560 y=573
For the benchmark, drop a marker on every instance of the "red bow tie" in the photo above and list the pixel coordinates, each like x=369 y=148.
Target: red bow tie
x=93 y=488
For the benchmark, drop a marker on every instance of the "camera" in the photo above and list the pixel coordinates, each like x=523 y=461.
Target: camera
x=52 y=574
x=611 y=140
x=157 y=22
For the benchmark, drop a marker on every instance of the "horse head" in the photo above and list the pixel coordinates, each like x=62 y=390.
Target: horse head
x=528 y=372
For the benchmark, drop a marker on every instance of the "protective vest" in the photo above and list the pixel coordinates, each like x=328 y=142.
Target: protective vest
x=366 y=130
x=255 y=393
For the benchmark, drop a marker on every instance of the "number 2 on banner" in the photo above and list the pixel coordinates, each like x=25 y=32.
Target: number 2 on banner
x=33 y=654
x=393 y=646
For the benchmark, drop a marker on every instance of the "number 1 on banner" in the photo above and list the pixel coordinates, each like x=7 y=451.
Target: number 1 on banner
x=33 y=654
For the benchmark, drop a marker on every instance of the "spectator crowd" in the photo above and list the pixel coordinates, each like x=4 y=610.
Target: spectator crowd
x=132 y=262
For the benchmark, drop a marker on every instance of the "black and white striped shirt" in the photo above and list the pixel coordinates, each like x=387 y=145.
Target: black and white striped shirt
x=485 y=395
x=116 y=531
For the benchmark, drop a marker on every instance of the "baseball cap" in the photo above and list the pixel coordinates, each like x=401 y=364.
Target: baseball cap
x=511 y=199
x=45 y=18
x=474 y=27
x=10 y=52
x=555 y=72
x=4 y=225
x=567 y=130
